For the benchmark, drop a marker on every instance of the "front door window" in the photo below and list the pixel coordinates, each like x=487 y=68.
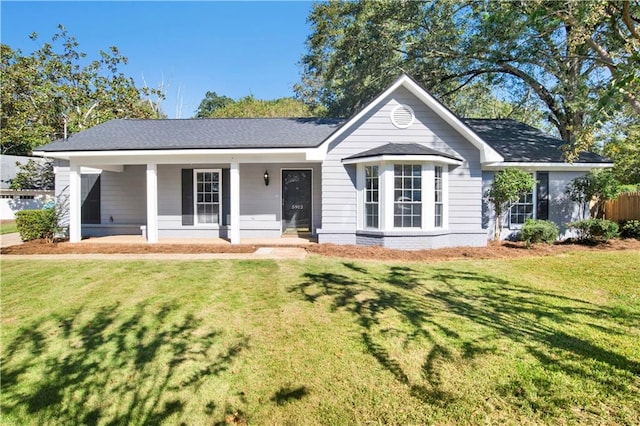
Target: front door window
x=296 y=200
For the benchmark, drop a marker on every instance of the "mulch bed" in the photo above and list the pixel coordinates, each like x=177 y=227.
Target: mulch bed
x=493 y=250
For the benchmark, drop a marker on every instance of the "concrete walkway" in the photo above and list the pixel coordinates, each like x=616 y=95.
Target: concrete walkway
x=7 y=240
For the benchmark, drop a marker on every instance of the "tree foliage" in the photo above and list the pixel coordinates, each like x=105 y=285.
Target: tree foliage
x=34 y=175
x=214 y=106
x=597 y=185
x=507 y=187
x=622 y=145
x=58 y=87
x=212 y=102
x=576 y=60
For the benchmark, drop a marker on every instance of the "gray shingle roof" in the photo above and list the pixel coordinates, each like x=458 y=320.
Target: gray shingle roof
x=222 y=133
x=400 y=149
x=515 y=141
x=518 y=142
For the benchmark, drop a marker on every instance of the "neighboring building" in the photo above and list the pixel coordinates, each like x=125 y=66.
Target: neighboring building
x=11 y=200
x=404 y=172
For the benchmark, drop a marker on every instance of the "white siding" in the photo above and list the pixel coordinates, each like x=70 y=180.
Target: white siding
x=561 y=209
x=260 y=205
x=123 y=196
x=61 y=168
x=339 y=198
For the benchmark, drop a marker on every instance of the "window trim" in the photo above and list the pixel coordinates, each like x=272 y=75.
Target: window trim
x=411 y=202
x=534 y=205
x=196 y=222
x=366 y=191
x=438 y=189
x=386 y=198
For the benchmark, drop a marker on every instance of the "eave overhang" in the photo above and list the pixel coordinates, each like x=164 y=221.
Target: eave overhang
x=403 y=158
x=576 y=167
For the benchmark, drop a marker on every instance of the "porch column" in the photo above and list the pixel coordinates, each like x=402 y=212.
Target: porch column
x=75 y=204
x=234 y=185
x=152 y=203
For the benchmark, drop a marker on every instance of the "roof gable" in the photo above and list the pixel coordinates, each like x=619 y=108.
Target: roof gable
x=487 y=153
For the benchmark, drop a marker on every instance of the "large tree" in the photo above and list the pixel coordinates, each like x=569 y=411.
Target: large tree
x=215 y=106
x=212 y=102
x=57 y=90
x=578 y=59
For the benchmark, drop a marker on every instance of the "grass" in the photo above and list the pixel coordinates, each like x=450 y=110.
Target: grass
x=8 y=227
x=324 y=341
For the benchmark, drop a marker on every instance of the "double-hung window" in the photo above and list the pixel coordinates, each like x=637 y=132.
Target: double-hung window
x=207 y=196
x=522 y=210
x=438 y=213
x=407 y=210
x=372 y=197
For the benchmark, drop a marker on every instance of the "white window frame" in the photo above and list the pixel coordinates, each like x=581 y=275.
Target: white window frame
x=412 y=202
x=386 y=196
x=438 y=190
x=196 y=221
x=366 y=191
x=534 y=206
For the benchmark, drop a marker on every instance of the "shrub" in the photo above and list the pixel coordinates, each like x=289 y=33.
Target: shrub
x=595 y=229
x=630 y=229
x=539 y=231
x=36 y=224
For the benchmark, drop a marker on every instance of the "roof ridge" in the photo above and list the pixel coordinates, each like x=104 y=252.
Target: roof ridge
x=225 y=118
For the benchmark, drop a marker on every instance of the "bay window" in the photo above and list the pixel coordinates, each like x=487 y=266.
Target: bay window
x=372 y=197
x=402 y=196
x=407 y=211
x=438 y=197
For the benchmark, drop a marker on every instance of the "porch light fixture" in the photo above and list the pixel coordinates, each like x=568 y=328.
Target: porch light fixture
x=266 y=178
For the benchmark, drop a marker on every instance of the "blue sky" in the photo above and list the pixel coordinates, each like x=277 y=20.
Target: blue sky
x=232 y=48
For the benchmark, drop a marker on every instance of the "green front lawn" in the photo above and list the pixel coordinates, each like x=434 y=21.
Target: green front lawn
x=8 y=227
x=325 y=341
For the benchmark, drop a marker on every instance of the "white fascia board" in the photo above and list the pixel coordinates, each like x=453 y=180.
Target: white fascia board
x=568 y=167
x=97 y=168
x=487 y=153
x=195 y=156
x=403 y=158
x=316 y=154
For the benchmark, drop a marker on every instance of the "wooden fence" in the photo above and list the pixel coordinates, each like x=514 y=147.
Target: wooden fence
x=625 y=207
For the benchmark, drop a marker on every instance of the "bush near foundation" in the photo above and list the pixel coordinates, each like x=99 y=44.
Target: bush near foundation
x=539 y=231
x=37 y=224
x=596 y=230
x=630 y=229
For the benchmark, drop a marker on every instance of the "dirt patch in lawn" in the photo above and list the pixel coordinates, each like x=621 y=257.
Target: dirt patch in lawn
x=491 y=251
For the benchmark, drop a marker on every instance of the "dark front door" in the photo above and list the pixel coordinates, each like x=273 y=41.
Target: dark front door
x=296 y=200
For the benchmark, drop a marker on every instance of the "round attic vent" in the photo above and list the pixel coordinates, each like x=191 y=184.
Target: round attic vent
x=402 y=116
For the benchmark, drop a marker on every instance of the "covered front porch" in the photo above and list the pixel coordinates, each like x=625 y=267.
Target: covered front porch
x=284 y=241
x=187 y=199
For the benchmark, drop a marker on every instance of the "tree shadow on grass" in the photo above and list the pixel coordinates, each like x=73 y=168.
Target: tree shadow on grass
x=549 y=326
x=288 y=394
x=114 y=366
